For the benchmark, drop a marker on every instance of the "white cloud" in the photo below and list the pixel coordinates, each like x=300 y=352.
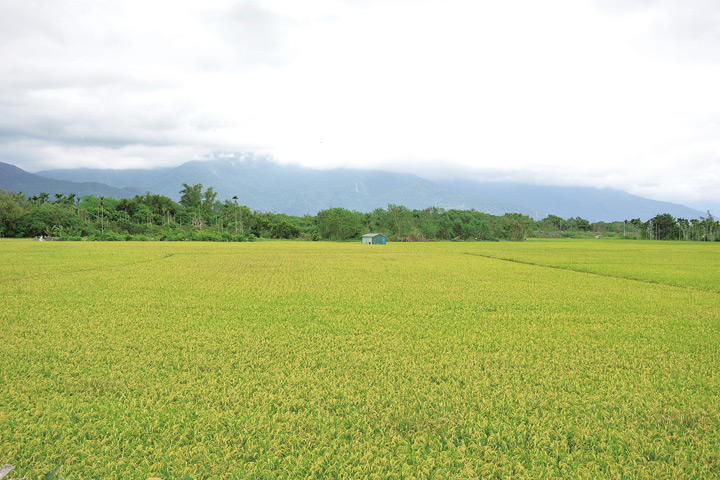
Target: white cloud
x=615 y=94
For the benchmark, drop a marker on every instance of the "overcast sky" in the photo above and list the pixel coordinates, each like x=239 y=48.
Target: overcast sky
x=619 y=93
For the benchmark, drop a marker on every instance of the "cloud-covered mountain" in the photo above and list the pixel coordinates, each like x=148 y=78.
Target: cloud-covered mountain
x=595 y=204
x=268 y=186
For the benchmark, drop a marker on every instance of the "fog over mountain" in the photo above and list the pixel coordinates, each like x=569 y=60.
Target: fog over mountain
x=268 y=186
x=595 y=204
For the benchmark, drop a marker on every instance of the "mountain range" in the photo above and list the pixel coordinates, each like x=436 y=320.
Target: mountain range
x=267 y=186
x=15 y=179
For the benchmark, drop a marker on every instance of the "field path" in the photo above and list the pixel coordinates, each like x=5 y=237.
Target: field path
x=601 y=274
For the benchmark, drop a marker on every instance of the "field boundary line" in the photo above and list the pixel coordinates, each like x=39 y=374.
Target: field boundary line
x=598 y=274
x=83 y=270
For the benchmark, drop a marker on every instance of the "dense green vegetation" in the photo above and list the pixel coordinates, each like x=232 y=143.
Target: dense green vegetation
x=540 y=359
x=201 y=216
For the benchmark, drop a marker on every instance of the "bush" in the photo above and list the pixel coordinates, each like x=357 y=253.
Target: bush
x=137 y=238
x=203 y=236
x=69 y=238
x=107 y=237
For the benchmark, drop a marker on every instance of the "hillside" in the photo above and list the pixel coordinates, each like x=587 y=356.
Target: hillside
x=18 y=180
x=594 y=204
x=268 y=186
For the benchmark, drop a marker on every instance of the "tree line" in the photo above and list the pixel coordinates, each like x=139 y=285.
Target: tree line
x=199 y=215
x=661 y=227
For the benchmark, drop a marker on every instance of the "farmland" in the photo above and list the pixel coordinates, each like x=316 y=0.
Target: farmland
x=557 y=358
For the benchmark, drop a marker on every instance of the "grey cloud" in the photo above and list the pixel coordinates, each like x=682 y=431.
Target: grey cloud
x=72 y=78
x=109 y=119
x=57 y=30
x=251 y=34
x=692 y=20
x=38 y=154
x=31 y=76
x=22 y=20
x=698 y=23
x=625 y=6
x=111 y=127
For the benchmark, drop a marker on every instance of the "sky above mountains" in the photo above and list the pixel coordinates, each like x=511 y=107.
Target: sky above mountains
x=607 y=93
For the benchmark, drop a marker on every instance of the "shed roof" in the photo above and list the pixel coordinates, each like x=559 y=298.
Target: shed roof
x=370 y=235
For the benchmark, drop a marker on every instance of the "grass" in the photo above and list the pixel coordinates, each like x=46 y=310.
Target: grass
x=580 y=359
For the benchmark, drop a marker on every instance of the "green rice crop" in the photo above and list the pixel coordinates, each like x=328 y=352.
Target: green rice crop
x=671 y=263
x=574 y=359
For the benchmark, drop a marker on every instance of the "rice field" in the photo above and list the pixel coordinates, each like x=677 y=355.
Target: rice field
x=540 y=359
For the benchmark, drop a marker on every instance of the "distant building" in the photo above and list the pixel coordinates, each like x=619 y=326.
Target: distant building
x=374 y=239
